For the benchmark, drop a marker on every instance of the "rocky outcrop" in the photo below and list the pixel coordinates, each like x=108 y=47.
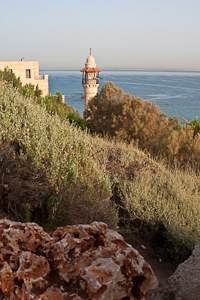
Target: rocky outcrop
x=74 y=262
x=184 y=284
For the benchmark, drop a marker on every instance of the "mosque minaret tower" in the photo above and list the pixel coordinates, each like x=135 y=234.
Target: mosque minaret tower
x=90 y=79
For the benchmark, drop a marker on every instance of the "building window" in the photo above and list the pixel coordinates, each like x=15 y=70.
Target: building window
x=28 y=73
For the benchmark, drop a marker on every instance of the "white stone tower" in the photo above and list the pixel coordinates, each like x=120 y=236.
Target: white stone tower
x=90 y=79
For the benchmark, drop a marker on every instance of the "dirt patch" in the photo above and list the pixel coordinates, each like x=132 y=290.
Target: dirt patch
x=162 y=269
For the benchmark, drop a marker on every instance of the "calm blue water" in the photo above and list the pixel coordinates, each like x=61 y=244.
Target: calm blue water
x=176 y=93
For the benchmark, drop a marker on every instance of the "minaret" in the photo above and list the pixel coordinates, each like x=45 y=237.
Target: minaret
x=90 y=79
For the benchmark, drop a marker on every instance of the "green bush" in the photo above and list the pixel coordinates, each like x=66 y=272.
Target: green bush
x=10 y=77
x=27 y=90
x=77 y=121
x=196 y=127
x=55 y=105
x=37 y=92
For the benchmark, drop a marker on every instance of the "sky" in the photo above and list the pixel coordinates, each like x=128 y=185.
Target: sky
x=135 y=34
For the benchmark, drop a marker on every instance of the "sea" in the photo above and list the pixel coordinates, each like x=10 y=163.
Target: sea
x=177 y=93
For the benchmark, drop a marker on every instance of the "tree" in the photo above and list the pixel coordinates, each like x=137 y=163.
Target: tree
x=59 y=97
x=115 y=113
x=27 y=90
x=141 y=122
x=9 y=76
x=102 y=109
x=37 y=92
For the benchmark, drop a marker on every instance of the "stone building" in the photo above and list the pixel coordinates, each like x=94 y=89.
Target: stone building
x=90 y=79
x=28 y=71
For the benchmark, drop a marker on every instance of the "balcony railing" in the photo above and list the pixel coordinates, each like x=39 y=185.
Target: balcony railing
x=40 y=77
x=88 y=81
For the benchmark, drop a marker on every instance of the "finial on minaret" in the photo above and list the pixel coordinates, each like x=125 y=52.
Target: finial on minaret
x=90 y=50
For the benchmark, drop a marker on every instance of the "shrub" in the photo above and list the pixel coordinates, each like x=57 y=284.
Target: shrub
x=54 y=105
x=59 y=148
x=37 y=92
x=167 y=205
x=196 y=127
x=10 y=77
x=24 y=190
x=27 y=90
x=78 y=122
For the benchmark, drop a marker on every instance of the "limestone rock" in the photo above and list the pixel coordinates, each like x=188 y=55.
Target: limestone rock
x=6 y=279
x=184 y=284
x=75 y=262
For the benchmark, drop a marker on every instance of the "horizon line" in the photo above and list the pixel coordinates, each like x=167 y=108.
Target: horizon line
x=122 y=69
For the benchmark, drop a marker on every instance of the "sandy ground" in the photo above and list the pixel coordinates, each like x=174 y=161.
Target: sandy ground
x=162 y=269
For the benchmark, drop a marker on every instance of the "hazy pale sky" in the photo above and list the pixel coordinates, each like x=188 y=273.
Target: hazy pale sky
x=122 y=33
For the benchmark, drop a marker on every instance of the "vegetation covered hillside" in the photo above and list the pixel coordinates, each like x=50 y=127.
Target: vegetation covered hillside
x=56 y=174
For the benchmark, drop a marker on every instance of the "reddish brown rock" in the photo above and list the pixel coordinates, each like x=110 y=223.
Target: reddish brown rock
x=75 y=262
x=6 y=279
x=33 y=270
x=54 y=293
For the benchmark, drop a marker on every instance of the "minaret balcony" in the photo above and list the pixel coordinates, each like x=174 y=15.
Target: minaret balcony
x=94 y=80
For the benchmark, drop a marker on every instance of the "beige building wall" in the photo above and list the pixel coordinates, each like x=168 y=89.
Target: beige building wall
x=28 y=71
